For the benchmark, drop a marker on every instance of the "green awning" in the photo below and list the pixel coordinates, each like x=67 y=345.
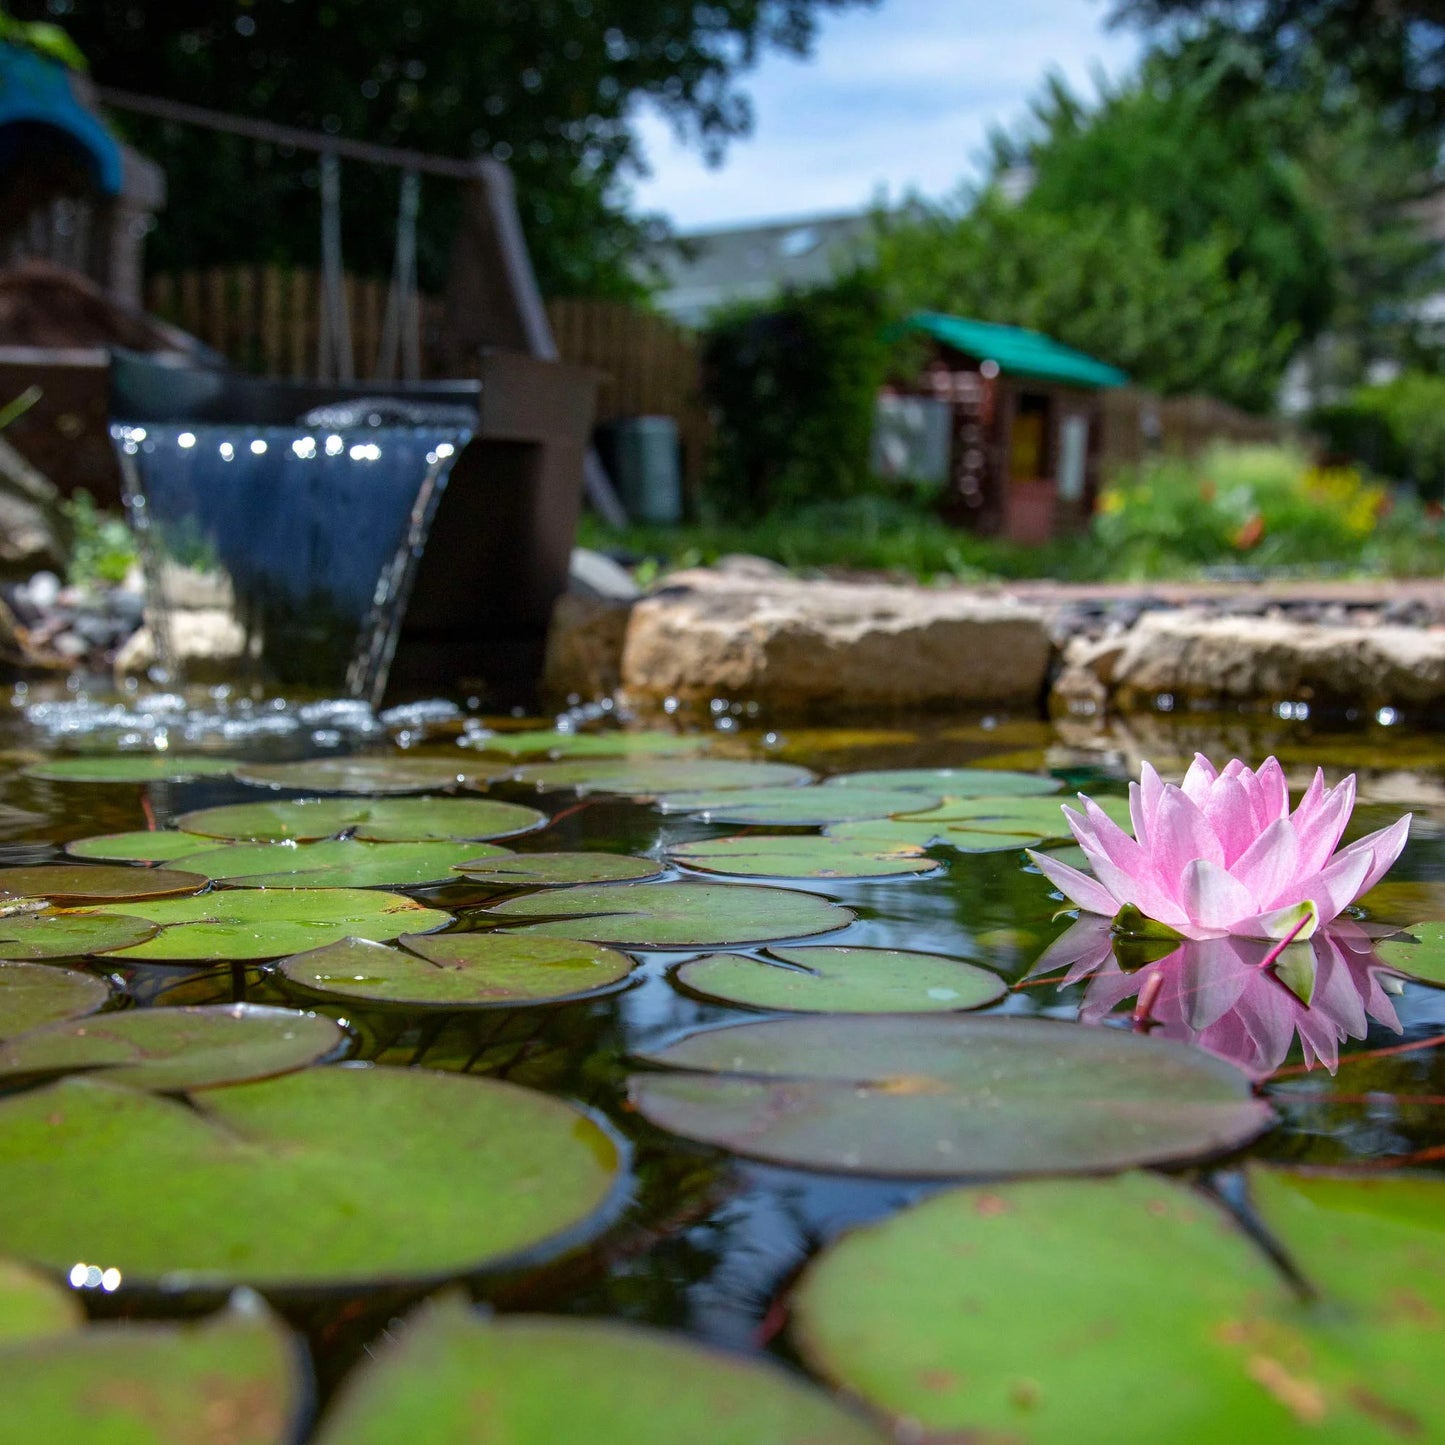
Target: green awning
x=1016 y=351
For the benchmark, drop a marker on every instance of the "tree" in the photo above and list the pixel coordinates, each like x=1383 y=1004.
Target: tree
x=546 y=85
x=1102 y=280
x=1188 y=228
x=1393 y=49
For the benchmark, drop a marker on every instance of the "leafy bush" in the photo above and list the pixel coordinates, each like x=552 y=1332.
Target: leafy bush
x=1268 y=509
x=102 y=548
x=793 y=386
x=1257 y=509
x=1396 y=429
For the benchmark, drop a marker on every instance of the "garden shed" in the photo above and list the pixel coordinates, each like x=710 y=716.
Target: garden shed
x=1006 y=422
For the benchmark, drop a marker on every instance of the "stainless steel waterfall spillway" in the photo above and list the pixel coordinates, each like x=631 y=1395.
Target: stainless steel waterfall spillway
x=417 y=544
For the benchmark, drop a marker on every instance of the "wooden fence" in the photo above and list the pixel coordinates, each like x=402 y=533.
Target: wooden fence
x=266 y=319
x=1138 y=423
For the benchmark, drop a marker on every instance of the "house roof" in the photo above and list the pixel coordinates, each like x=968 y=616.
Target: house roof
x=703 y=270
x=1017 y=352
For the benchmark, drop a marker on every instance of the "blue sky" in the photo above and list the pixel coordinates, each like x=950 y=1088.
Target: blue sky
x=893 y=98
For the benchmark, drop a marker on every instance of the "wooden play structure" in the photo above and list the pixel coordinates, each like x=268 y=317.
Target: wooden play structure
x=1016 y=420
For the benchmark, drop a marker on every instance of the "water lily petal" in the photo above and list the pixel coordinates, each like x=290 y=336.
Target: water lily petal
x=1199 y=779
x=1179 y=835
x=1319 y=826
x=1273 y=792
x=1213 y=898
x=1078 y=887
x=1229 y=813
x=1270 y=864
x=1151 y=794
x=1386 y=846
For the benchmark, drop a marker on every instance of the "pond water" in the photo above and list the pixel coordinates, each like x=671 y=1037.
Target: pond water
x=1168 y=1226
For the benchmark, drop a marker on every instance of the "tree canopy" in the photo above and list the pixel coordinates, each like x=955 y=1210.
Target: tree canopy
x=1194 y=243
x=1393 y=49
x=549 y=86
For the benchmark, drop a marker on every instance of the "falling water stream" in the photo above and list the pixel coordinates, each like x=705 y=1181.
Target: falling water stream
x=304 y=542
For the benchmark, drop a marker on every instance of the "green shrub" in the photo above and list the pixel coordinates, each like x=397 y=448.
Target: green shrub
x=792 y=386
x=1396 y=429
x=103 y=548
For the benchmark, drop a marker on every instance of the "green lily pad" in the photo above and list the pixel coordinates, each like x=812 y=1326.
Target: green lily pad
x=1043 y=817
x=235 y=925
x=800 y=856
x=947 y=1096
x=891 y=832
x=792 y=807
x=1124 y=1309
x=31 y=1305
x=338 y=1176
x=176 y=1048
x=951 y=782
x=384 y=820
x=390 y=774
x=1418 y=951
x=230 y=1380
x=461 y=970
x=333 y=863
x=66 y=882
x=574 y=1382
x=536 y=743
x=130 y=768
x=1376 y=1244
x=557 y=870
x=34 y=994
x=843 y=980
x=156 y=845
x=649 y=777
x=674 y=915
x=67 y=934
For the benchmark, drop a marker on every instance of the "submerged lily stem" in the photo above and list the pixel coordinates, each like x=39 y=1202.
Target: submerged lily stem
x=1147 y=996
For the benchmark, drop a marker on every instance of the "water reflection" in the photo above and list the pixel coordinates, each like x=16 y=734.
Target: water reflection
x=1229 y=995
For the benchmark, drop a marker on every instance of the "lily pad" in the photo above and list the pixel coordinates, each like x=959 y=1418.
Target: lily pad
x=793 y=807
x=947 y=1096
x=1418 y=951
x=391 y=774
x=801 y=856
x=843 y=980
x=339 y=1176
x=885 y=832
x=176 y=1048
x=533 y=743
x=554 y=870
x=31 y=1305
x=385 y=820
x=230 y=1380
x=67 y=882
x=66 y=934
x=236 y=925
x=34 y=994
x=1122 y=1309
x=540 y=1381
x=674 y=915
x=156 y=845
x=332 y=863
x=461 y=970
x=951 y=782
x=649 y=777
x=130 y=768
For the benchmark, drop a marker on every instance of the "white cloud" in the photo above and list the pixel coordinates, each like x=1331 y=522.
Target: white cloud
x=895 y=98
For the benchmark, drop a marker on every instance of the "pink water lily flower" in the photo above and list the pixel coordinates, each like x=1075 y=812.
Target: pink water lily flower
x=1222 y=853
